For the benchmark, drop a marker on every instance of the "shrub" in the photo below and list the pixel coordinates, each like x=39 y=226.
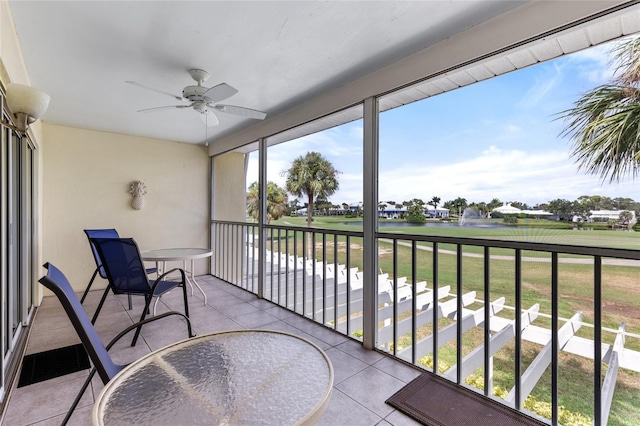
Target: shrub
x=510 y=219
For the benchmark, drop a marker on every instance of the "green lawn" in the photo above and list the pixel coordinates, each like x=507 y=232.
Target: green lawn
x=542 y=232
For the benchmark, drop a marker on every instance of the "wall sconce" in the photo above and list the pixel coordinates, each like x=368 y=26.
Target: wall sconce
x=137 y=189
x=27 y=105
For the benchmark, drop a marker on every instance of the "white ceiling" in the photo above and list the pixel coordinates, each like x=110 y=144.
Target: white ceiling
x=277 y=54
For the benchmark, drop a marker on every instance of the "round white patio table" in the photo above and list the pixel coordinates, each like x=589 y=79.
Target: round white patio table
x=178 y=254
x=245 y=377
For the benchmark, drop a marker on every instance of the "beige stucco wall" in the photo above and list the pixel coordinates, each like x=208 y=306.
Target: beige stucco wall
x=229 y=187
x=86 y=178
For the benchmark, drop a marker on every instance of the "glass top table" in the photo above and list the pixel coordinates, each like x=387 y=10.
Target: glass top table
x=256 y=377
x=176 y=254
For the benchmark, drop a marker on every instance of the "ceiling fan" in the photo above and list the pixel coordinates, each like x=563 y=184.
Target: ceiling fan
x=205 y=99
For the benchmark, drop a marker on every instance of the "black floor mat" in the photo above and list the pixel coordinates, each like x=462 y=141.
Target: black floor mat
x=54 y=363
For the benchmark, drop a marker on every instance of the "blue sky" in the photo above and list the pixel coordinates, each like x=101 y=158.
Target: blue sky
x=495 y=139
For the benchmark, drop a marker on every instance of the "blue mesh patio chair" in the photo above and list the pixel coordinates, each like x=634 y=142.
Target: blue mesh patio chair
x=97 y=352
x=126 y=274
x=102 y=233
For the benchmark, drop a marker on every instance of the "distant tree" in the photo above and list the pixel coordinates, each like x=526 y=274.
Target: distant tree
x=519 y=205
x=562 y=208
x=458 y=205
x=581 y=209
x=482 y=208
x=493 y=204
x=276 y=201
x=620 y=203
x=415 y=211
x=381 y=206
x=604 y=123
x=323 y=205
x=294 y=205
x=314 y=176
x=626 y=217
x=435 y=201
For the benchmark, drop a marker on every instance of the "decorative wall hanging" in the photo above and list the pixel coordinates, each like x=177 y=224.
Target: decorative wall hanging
x=137 y=189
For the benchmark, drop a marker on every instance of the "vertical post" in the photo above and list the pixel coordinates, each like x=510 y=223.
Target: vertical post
x=348 y=272
x=414 y=307
x=518 y=320
x=324 y=277
x=313 y=275
x=597 y=340
x=262 y=210
x=459 y=314
x=435 y=308
x=286 y=268
x=370 y=223
x=488 y=374
x=395 y=296
x=295 y=272
x=554 y=338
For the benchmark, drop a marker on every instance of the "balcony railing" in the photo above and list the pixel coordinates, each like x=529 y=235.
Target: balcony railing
x=524 y=321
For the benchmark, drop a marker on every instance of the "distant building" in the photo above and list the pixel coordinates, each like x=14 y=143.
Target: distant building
x=391 y=212
x=509 y=209
x=430 y=211
x=606 y=215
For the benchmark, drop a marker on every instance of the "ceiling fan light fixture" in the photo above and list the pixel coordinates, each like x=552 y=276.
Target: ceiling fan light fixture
x=200 y=106
x=204 y=100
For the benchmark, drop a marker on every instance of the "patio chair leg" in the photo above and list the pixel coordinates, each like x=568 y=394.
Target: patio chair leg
x=104 y=297
x=78 y=397
x=86 y=290
x=130 y=307
x=155 y=305
x=144 y=314
x=186 y=309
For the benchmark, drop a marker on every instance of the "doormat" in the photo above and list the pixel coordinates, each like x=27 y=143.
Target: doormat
x=54 y=363
x=435 y=401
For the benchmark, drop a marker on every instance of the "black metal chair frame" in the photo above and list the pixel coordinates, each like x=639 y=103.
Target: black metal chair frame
x=97 y=352
x=91 y=233
x=148 y=295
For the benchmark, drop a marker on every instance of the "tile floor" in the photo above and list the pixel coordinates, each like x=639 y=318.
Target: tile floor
x=363 y=379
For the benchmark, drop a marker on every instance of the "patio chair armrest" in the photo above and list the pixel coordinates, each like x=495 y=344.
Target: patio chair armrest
x=141 y=323
x=159 y=279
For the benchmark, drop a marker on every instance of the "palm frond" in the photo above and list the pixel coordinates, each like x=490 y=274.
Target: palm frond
x=604 y=126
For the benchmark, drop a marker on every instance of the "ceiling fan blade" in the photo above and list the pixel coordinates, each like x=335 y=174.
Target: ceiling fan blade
x=241 y=111
x=163 y=107
x=220 y=92
x=209 y=118
x=180 y=98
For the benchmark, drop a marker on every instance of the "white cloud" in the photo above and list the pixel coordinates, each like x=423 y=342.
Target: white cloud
x=492 y=150
x=508 y=175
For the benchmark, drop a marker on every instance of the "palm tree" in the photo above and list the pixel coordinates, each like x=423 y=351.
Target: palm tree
x=314 y=176
x=604 y=124
x=434 y=202
x=276 y=201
